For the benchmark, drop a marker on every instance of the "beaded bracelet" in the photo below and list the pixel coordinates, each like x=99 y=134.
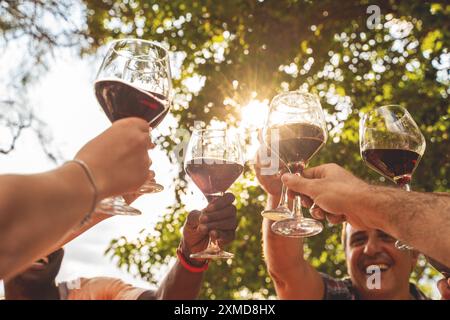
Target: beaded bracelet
x=88 y=173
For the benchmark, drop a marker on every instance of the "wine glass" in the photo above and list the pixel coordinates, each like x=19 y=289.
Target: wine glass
x=213 y=160
x=295 y=131
x=391 y=144
x=134 y=80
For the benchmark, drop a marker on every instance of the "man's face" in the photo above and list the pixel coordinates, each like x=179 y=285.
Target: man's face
x=371 y=249
x=42 y=271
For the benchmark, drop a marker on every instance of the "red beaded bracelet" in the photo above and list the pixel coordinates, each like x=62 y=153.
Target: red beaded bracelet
x=189 y=267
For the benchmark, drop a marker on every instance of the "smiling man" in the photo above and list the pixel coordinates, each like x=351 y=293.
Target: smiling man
x=377 y=270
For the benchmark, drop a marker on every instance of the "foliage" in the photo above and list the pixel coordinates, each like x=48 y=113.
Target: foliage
x=245 y=50
x=242 y=50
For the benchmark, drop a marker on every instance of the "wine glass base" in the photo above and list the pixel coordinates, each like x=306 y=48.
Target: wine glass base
x=212 y=254
x=297 y=228
x=151 y=188
x=277 y=214
x=117 y=206
x=402 y=246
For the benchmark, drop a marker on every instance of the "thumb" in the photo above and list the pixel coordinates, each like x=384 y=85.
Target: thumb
x=299 y=184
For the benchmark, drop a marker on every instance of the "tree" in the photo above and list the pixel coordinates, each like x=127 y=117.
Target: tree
x=38 y=29
x=241 y=50
x=244 y=50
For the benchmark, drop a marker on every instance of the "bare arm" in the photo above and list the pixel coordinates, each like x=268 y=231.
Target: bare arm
x=179 y=284
x=293 y=276
x=97 y=217
x=421 y=220
x=31 y=218
x=217 y=220
x=37 y=211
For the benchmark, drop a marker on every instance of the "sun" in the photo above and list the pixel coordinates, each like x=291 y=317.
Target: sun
x=254 y=114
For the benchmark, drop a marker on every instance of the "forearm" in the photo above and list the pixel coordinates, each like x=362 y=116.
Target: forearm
x=281 y=253
x=180 y=284
x=37 y=211
x=421 y=220
x=77 y=232
x=292 y=275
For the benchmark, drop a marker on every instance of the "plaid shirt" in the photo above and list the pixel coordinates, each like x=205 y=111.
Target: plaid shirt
x=344 y=290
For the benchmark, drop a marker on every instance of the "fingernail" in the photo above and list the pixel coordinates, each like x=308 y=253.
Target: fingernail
x=202 y=228
x=203 y=218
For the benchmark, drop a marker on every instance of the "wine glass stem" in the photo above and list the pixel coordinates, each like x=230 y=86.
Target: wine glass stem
x=400 y=244
x=213 y=244
x=297 y=206
x=283 y=199
x=406 y=187
x=297 y=209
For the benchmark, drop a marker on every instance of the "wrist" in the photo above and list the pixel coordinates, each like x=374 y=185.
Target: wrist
x=186 y=252
x=75 y=179
x=92 y=185
x=367 y=199
x=189 y=264
x=101 y=180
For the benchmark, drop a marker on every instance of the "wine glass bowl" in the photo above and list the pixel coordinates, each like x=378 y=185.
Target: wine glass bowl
x=213 y=161
x=391 y=144
x=295 y=131
x=134 y=80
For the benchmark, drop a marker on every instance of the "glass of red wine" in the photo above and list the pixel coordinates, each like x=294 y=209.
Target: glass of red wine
x=295 y=131
x=214 y=160
x=134 y=80
x=392 y=144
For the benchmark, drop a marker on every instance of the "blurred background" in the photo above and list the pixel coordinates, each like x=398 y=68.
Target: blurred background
x=228 y=59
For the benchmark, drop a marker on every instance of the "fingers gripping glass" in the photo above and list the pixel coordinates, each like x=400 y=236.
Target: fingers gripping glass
x=295 y=131
x=392 y=144
x=213 y=160
x=134 y=80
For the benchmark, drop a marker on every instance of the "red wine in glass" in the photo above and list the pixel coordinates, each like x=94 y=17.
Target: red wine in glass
x=395 y=164
x=298 y=142
x=392 y=144
x=129 y=68
x=213 y=176
x=121 y=100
